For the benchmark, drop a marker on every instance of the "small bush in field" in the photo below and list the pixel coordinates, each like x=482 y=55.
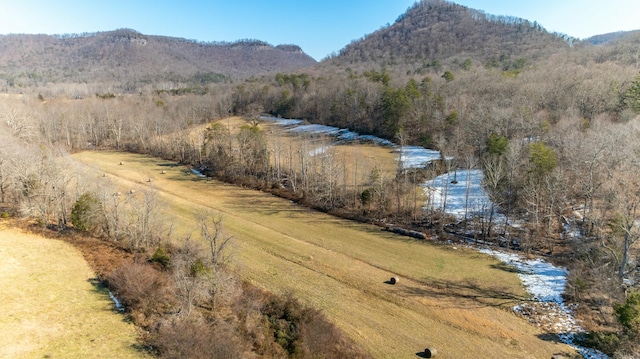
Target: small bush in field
x=86 y=214
x=161 y=257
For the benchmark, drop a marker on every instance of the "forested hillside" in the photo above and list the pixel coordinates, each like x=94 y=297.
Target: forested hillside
x=612 y=36
x=438 y=30
x=129 y=60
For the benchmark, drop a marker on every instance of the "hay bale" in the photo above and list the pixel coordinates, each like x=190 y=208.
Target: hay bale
x=393 y=280
x=430 y=352
x=121 y=163
x=132 y=191
x=149 y=180
x=163 y=172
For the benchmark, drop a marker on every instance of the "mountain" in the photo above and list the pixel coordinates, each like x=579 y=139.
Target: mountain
x=439 y=30
x=612 y=36
x=127 y=55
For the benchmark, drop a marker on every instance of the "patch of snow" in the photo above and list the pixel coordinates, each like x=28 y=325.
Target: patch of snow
x=340 y=133
x=546 y=283
x=316 y=129
x=571 y=230
x=197 y=173
x=281 y=121
x=319 y=151
x=416 y=156
x=459 y=193
x=119 y=305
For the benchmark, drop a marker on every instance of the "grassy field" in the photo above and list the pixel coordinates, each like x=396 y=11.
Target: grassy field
x=355 y=161
x=455 y=300
x=51 y=308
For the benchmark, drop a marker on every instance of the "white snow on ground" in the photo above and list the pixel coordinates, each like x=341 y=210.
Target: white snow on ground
x=460 y=192
x=317 y=129
x=281 y=121
x=197 y=173
x=416 y=156
x=119 y=305
x=319 y=150
x=546 y=283
x=340 y=133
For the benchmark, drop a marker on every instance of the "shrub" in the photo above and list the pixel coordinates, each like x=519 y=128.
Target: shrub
x=607 y=343
x=629 y=313
x=142 y=289
x=542 y=158
x=189 y=338
x=161 y=257
x=86 y=213
x=199 y=269
x=497 y=144
x=305 y=332
x=448 y=75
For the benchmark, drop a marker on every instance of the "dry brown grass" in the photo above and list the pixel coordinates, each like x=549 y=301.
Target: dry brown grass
x=355 y=161
x=50 y=306
x=457 y=301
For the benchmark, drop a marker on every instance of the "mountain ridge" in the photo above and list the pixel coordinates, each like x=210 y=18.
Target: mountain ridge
x=126 y=55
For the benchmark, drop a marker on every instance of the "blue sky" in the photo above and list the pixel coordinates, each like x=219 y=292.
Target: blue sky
x=318 y=26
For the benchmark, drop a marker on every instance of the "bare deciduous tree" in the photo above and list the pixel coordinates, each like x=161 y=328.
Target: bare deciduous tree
x=212 y=232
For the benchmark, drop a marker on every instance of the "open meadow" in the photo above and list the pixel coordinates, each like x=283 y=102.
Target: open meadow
x=456 y=300
x=354 y=160
x=51 y=305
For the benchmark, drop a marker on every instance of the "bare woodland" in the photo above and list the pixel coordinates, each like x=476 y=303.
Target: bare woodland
x=552 y=121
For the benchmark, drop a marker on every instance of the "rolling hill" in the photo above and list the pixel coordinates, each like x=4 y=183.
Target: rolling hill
x=126 y=55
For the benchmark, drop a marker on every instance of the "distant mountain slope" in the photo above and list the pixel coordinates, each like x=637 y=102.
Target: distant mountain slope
x=612 y=36
x=437 y=30
x=619 y=47
x=127 y=55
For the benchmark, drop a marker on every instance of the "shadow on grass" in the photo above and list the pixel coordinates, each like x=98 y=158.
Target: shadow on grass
x=549 y=337
x=101 y=289
x=143 y=348
x=481 y=296
x=505 y=267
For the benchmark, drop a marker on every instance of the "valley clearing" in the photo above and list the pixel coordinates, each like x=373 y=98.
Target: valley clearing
x=51 y=308
x=457 y=301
